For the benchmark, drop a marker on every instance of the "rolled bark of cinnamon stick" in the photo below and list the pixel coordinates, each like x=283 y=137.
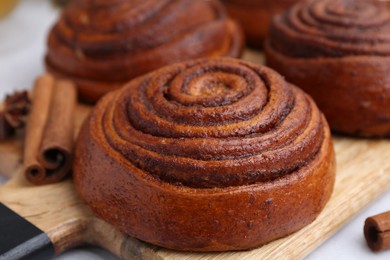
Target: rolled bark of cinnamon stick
x=377 y=231
x=49 y=133
x=35 y=125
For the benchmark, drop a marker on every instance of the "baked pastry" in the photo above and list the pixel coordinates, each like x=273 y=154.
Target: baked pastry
x=339 y=53
x=103 y=44
x=207 y=155
x=255 y=16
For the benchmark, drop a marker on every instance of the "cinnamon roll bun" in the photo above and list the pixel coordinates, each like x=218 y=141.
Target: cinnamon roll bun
x=339 y=53
x=101 y=45
x=255 y=16
x=208 y=155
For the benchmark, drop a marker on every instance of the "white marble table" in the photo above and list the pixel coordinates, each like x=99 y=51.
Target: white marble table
x=22 y=46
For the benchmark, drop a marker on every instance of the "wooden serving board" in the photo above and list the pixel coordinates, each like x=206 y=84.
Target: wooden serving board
x=363 y=173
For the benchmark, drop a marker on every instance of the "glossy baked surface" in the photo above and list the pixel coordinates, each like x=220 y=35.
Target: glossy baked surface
x=103 y=44
x=339 y=53
x=208 y=155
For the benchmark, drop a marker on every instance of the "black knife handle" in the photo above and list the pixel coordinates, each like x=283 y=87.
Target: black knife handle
x=19 y=239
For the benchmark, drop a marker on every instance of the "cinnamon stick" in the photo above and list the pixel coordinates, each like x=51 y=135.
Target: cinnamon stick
x=377 y=231
x=49 y=133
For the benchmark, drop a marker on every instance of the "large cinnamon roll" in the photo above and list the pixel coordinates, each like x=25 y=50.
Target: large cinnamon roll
x=255 y=16
x=103 y=44
x=339 y=53
x=207 y=155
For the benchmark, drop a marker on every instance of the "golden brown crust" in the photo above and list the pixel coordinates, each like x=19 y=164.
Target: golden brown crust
x=108 y=43
x=255 y=16
x=207 y=155
x=339 y=53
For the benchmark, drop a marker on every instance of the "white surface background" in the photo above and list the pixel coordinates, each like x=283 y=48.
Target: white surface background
x=22 y=48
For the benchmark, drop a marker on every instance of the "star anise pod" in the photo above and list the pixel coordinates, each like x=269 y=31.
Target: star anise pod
x=14 y=113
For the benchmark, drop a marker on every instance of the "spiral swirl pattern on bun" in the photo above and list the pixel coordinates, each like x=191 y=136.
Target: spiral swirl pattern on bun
x=202 y=132
x=338 y=52
x=329 y=28
x=103 y=44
